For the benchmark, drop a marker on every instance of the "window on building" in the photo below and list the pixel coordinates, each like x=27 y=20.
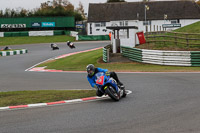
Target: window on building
x=90 y=28
x=103 y=24
x=97 y=24
x=147 y=23
x=173 y=21
x=126 y=23
x=121 y=23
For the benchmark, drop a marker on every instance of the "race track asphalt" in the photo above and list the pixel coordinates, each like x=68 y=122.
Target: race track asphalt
x=160 y=102
x=14 y=78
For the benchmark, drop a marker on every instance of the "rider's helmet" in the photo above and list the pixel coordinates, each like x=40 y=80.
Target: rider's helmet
x=90 y=69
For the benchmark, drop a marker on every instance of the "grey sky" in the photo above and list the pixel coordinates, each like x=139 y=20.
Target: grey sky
x=31 y=4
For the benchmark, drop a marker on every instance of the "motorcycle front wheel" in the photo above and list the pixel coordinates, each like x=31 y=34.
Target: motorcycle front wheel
x=112 y=93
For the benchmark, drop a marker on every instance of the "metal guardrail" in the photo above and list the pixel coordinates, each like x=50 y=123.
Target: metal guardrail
x=175 y=58
x=106 y=51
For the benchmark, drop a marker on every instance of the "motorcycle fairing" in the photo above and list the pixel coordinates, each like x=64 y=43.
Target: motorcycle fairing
x=100 y=81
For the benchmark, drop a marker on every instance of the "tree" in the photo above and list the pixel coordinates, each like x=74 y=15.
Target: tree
x=80 y=10
x=7 y=12
x=198 y=2
x=49 y=8
x=109 y=1
x=1 y=13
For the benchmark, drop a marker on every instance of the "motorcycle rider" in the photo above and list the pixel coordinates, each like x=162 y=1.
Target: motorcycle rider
x=54 y=46
x=70 y=44
x=91 y=70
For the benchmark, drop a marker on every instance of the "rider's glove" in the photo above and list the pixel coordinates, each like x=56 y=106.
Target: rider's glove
x=107 y=73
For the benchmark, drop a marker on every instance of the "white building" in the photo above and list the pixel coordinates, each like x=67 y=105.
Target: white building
x=156 y=16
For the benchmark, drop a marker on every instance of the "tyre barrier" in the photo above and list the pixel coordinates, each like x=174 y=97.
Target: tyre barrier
x=106 y=51
x=13 y=52
x=174 y=58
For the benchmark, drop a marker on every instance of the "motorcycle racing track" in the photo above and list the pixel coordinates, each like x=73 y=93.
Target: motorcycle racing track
x=160 y=102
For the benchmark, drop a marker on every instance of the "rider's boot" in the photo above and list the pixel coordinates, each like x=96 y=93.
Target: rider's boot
x=120 y=84
x=122 y=88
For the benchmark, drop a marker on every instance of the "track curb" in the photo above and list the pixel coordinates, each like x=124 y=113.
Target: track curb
x=87 y=99
x=51 y=103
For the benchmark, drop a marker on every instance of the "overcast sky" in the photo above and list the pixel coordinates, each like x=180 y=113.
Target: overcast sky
x=31 y=4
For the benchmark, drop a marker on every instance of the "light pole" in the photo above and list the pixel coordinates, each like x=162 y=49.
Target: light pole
x=165 y=17
x=146 y=7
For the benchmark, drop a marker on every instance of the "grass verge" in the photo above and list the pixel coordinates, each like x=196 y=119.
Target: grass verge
x=79 y=61
x=42 y=96
x=10 y=50
x=6 y=41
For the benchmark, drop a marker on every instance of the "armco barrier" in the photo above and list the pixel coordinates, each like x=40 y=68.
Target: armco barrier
x=175 y=58
x=93 y=37
x=132 y=53
x=13 y=52
x=58 y=32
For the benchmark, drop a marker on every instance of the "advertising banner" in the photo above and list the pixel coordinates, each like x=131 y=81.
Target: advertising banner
x=36 y=24
x=13 y=25
x=171 y=25
x=48 y=24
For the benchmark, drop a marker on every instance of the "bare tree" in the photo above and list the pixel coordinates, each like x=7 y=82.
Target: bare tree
x=80 y=10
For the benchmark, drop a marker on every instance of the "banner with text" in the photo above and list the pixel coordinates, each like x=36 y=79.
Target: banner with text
x=13 y=25
x=48 y=24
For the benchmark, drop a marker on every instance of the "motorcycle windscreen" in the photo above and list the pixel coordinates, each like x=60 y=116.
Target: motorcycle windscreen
x=100 y=80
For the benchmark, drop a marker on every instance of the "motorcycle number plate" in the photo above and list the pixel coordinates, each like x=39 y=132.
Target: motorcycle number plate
x=100 y=81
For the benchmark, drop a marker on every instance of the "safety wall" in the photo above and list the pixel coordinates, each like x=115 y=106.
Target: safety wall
x=14 y=34
x=37 y=22
x=1 y=34
x=13 y=52
x=41 y=33
x=34 y=33
x=93 y=37
x=175 y=58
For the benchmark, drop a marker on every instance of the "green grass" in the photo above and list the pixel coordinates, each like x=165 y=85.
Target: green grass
x=193 y=28
x=79 y=62
x=6 y=41
x=75 y=62
x=42 y=96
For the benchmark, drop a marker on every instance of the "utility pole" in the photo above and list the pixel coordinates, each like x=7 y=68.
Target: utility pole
x=146 y=8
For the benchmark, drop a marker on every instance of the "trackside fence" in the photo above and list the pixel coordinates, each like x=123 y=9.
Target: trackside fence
x=175 y=58
x=176 y=38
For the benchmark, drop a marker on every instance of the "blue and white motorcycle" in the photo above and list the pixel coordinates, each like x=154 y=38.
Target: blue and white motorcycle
x=108 y=85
